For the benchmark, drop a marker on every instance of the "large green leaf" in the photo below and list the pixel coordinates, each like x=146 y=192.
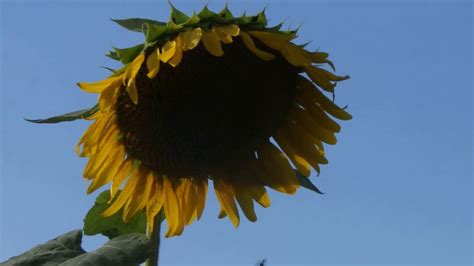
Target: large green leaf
x=65 y=250
x=136 y=24
x=53 y=252
x=81 y=114
x=125 y=250
x=306 y=183
x=111 y=226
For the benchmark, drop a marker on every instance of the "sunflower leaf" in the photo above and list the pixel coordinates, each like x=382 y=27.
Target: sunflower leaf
x=306 y=183
x=53 y=252
x=128 y=250
x=136 y=24
x=81 y=114
x=126 y=55
x=111 y=226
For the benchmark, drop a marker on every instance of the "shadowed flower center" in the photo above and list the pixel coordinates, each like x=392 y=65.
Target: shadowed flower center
x=207 y=112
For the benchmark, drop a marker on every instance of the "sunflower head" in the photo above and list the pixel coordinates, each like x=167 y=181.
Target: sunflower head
x=208 y=97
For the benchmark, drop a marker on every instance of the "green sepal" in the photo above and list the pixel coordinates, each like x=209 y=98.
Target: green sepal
x=226 y=14
x=244 y=20
x=173 y=27
x=136 y=24
x=261 y=18
x=81 y=114
x=127 y=55
x=154 y=32
x=113 y=55
x=193 y=20
x=306 y=183
x=276 y=27
x=109 y=69
x=111 y=226
x=207 y=14
x=303 y=45
x=177 y=16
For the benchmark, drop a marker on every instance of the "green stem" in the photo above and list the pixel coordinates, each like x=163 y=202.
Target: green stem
x=155 y=242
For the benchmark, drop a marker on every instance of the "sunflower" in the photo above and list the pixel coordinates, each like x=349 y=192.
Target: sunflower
x=199 y=101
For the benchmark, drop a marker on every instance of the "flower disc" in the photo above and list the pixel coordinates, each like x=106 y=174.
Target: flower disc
x=207 y=112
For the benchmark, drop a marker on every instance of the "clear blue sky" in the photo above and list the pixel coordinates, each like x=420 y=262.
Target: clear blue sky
x=399 y=182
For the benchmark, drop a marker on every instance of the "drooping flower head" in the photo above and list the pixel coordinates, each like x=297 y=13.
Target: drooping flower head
x=199 y=101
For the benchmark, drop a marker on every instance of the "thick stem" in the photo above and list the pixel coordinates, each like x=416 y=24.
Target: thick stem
x=155 y=242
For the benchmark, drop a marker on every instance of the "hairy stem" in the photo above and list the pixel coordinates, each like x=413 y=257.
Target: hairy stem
x=155 y=241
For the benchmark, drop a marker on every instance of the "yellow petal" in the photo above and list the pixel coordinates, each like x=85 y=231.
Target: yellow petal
x=132 y=91
x=96 y=161
x=129 y=77
x=155 y=202
x=172 y=210
x=106 y=174
x=303 y=143
x=244 y=198
x=140 y=196
x=230 y=29
x=320 y=58
x=260 y=195
x=275 y=41
x=222 y=36
x=297 y=159
x=124 y=196
x=226 y=199
x=89 y=141
x=167 y=51
x=178 y=54
x=133 y=68
x=318 y=77
x=317 y=114
x=153 y=63
x=186 y=193
x=251 y=46
x=99 y=86
x=304 y=119
x=201 y=194
x=225 y=33
x=127 y=169
x=306 y=88
x=295 y=55
x=212 y=43
x=332 y=76
x=190 y=39
x=279 y=174
x=222 y=213
x=89 y=135
x=106 y=99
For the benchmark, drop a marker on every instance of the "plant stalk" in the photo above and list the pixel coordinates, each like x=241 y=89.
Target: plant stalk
x=155 y=241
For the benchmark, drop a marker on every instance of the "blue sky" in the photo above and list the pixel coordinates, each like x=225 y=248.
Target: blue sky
x=399 y=182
